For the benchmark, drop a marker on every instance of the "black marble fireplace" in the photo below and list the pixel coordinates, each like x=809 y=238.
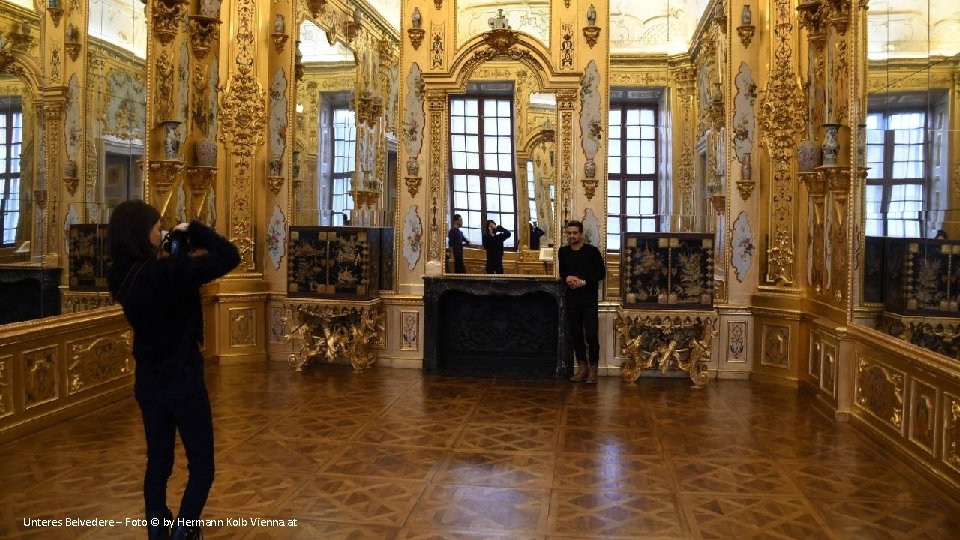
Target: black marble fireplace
x=494 y=327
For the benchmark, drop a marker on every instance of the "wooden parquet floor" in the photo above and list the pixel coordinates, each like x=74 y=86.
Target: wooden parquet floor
x=393 y=453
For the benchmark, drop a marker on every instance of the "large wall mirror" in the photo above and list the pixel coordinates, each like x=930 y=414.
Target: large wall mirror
x=102 y=127
x=503 y=163
x=325 y=154
x=910 y=145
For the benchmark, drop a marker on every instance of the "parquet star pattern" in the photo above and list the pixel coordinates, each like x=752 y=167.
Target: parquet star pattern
x=396 y=454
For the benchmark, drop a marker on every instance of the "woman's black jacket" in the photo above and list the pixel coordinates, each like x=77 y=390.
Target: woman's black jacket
x=161 y=300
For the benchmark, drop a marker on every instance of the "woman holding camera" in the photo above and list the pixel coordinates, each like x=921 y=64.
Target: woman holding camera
x=160 y=296
x=493 y=239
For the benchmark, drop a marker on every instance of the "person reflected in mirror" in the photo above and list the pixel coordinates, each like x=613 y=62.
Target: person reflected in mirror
x=581 y=271
x=456 y=241
x=535 y=233
x=941 y=235
x=493 y=239
x=160 y=296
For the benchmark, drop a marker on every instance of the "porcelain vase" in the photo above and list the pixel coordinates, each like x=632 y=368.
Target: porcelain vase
x=831 y=146
x=808 y=156
x=171 y=142
x=206 y=150
x=210 y=8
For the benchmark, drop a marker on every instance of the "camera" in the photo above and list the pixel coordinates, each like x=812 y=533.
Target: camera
x=176 y=243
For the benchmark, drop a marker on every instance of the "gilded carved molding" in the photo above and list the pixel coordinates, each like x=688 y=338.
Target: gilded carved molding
x=437 y=104
x=354 y=331
x=242 y=120
x=951 y=432
x=566 y=104
x=98 y=360
x=40 y=376
x=6 y=386
x=781 y=119
x=243 y=327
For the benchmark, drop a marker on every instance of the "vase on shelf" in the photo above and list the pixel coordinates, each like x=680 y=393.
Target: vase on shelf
x=861 y=145
x=210 y=8
x=413 y=166
x=171 y=142
x=746 y=168
x=808 y=156
x=206 y=150
x=70 y=168
x=831 y=146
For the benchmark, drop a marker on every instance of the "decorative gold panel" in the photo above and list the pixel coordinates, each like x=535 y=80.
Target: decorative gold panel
x=409 y=331
x=814 y=362
x=347 y=329
x=880 y=392
x=951 y=431
x=97 y=360
x=243 y=327
x=736 y=342
x=923 y=415
x=828 y=367
x=40 y=376
x=6 y=386
x=775 y=346
x=278 y=324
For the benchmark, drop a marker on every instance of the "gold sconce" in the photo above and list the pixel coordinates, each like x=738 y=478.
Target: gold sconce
x=166 y=19
x=279 y=35
x=720 y=17
x=73 y=42
x=413 y=184
x=415 y=31
x=21 y=40
x=746 y=29
x=70 y=178
x=163 y=174
x=353 y=27
x=55 y=11
x=316 y=6
x=439 y=4
x=201 y=178
x=591 y=32
x=746 y=188
x=298 y=62
x=203 y=32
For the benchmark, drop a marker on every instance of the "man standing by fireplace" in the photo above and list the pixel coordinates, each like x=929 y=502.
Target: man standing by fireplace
x=581 y=270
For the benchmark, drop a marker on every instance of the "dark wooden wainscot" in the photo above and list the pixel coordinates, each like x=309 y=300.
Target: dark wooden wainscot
x=491 y=327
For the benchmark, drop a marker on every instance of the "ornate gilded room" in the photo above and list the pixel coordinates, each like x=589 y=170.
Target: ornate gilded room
x=770 y=185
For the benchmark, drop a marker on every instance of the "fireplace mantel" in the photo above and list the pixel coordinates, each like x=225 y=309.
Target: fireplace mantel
x=494 y=326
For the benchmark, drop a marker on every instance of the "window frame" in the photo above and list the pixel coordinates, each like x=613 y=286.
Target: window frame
x=625 y=179
x=482 y=172
x=887 y=182
x=12 y=108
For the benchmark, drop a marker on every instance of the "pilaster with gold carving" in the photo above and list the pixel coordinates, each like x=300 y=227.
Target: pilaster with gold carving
x=242 y=120
x=781 y=119
x=437 y=111
x=566 y=104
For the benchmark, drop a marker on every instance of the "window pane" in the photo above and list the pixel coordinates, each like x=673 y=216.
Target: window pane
x=648 y=165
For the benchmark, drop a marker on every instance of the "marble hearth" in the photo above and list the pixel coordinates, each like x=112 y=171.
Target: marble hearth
x=494 y=327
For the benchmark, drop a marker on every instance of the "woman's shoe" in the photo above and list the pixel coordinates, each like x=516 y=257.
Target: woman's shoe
x=592 y=374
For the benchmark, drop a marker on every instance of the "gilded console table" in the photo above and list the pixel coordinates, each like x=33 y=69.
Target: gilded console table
x=352 y=329
x=668 y=342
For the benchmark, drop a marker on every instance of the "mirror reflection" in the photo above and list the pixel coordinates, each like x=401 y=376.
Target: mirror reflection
x=326 y=131
x=502 y=174
x=102 y=121
x=910 y=280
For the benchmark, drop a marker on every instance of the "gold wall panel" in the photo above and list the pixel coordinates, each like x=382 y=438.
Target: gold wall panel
x=242 y=327
x=6 y=386
x=409 y=330
x=880 y=392
x=828 y=369
x=775 y=345
x=923 y=407
x=94 y=361
x=816 y=357
x=737 y=342
x=40 y=376
x=951 y=431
